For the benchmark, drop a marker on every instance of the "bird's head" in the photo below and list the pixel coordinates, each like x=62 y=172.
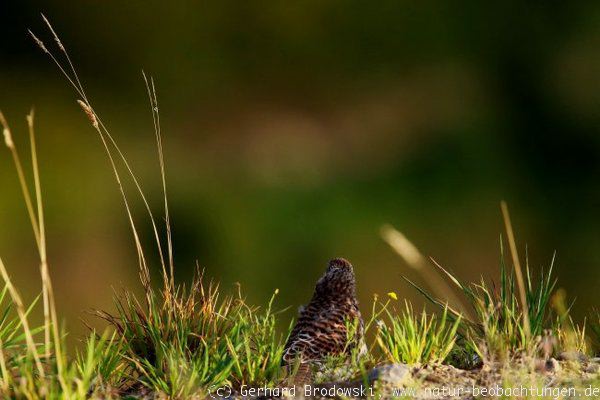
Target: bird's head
x=338 y=280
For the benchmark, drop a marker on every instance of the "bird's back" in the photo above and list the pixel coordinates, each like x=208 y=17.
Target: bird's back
x=322 y=326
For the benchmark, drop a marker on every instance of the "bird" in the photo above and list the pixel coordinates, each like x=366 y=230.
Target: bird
x=322 y=326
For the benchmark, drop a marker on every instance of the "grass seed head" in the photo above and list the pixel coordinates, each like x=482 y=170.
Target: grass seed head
x=56 y=38
x=6 y=132
x=89 y=112
x=8 y=138
x=39 y=43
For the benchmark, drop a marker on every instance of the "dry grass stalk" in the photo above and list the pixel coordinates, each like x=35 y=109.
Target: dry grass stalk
x=107 y=139
x=517 y=264
x=415 y=260
x=38 y=226
x=50 y=315
x=37 y=233
x=144 y=272
x=16 y=298
x=102 y=131
x=151 y=89
x=21 y=175
x=42 y=233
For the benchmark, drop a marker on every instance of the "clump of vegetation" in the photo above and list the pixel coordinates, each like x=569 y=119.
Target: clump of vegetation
x=411 y=338
x=258 y=348
x=498 y=326
x=174 y=342
x=500 y=330
x=517 y=317
x=565 y=335
x=183 y=342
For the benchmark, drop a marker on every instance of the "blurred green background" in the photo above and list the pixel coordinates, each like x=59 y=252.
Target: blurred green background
x=294 y=130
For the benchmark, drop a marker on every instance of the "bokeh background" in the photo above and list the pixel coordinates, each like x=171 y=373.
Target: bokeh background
x=294 y=130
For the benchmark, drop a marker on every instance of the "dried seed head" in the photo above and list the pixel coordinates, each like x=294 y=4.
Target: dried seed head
x=39 y=42
x=8 y=138
x=56 y=39
x=30 y=116
x=88 y=111
x=6 y=132
x=402 y=246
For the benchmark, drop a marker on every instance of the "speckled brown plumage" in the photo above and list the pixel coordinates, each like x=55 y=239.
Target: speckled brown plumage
x=321 y=329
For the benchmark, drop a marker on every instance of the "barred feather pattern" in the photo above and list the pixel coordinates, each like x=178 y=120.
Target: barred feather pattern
x=322 y=326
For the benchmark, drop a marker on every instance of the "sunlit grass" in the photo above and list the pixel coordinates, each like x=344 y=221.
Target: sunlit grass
x=497 y=332
x=180 y=341
x=412 y=338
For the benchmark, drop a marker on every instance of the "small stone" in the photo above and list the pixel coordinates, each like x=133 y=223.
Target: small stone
x=392 y=373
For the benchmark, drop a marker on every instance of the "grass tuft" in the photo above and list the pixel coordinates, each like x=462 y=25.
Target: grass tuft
x=184 y=342
x=412 y=338
x=497 y=333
